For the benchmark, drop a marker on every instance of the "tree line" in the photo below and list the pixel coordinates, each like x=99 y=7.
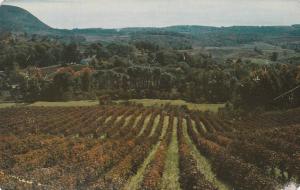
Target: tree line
x=139 y=69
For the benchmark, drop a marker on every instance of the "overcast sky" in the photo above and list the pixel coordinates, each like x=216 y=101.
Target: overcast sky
x=130 y=13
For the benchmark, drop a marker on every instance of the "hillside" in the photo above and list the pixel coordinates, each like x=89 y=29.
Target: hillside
x=16 y=19
x=19 y=20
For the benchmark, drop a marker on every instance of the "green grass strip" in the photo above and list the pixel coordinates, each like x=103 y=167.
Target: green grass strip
x=155 y=125
x=107 y=119
x=135 y=182
x=147 y=119
x=127 y=119
x=203 y=163
x=118 y=119
x=170 y=179
x=138 y=118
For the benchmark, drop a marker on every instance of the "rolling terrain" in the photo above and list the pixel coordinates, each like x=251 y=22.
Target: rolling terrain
x=15 y=19
x=170 y=108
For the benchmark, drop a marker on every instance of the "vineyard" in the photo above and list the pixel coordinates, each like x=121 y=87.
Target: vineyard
x=133 y=147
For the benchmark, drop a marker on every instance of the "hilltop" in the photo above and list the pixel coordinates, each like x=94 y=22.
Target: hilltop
x=16 y=19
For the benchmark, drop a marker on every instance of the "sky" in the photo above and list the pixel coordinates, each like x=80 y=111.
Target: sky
x=148 y=13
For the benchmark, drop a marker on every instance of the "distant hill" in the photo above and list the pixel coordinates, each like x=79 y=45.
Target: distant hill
x=15 y=19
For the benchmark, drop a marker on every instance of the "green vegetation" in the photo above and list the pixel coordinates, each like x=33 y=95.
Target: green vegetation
x=191 y=106
x=17 y=19
x=6 y=105
x=246 y=75
x=144 y=102
x=170 y=178
x=155 y=125
x=135 y=182
x=53 y=104
x=144 y=71
x=145 y=124
x=203 y=164
x=66 y=104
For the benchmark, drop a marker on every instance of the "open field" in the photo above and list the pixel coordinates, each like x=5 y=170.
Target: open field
x=66 y=104
x=134 y=147
x=6 y=105
x=191 y=106
x=145 y=102
x=246 y=52
x=51 y=104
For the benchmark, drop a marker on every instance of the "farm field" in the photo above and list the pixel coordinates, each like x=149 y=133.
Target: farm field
x=6 y=105
x=191 y=106
x=51 y=104
x=134 y=147
x=144 y=102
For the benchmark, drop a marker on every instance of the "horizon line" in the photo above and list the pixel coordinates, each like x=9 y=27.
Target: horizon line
x=154 y=27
